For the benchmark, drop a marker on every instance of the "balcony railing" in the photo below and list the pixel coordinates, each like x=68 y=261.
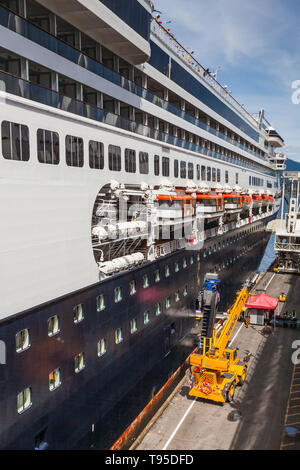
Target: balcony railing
x=168 y=39
x=287 y=247
x=25 y=89
x=50 y=42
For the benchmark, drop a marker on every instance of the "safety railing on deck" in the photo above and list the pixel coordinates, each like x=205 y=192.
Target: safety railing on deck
x=50 y=42
x=287 y=246
x=158 y=30
x=25 y=89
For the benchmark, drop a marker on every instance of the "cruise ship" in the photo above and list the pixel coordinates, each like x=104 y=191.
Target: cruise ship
x=127 y=172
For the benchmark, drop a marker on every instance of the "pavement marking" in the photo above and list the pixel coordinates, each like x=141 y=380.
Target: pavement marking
x=192 y=404
x=178 y=425
x=266 y=287
x=236 y=334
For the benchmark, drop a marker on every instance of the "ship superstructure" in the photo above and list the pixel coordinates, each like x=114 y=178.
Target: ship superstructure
x=127 y=173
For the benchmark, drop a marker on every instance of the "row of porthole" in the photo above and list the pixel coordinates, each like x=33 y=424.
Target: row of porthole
x=235 y=258
x=229 y=241
x=22 y=337
x=24 y=398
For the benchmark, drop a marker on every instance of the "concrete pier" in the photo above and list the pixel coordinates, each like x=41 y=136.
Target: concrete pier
x=265 y=414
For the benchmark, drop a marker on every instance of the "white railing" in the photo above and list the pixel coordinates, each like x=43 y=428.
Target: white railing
x=168 y=39
x=287 y=246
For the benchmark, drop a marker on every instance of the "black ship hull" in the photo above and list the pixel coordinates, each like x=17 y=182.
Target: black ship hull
x=60 y=418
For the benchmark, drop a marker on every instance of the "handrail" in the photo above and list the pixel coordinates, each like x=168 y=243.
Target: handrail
x=26 y=89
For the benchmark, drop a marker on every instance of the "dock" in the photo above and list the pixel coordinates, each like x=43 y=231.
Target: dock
x=265 y=414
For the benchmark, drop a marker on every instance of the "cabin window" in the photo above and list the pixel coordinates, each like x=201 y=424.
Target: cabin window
x=203 y=173
x=22 y=340
x=24 y=400
x=101 y=347
x=218 y=175
x=226 y=177
x=100 y=302
x=48 y=147
x=96 y=155
x=157 y=309
x=132 y=287
x=133 y=325
x=157 y=276
x=54 y=379
x=130 y=161
x=145 y=281
x=236 y=178
x=15 y=141
x=198 y=172
x=192 y=260
x=168 y=302
x=78 y=314
x=118 y=294
x=39 y=74
x=74 y=151
x=146 y=317
x=176 y=169
x=114 y=158
x=118 y=336
x=182 y=169
x=190 y=171
x=144 y=163
x=79 y=362
x=156 y=165
x=177 y=296
x=53 y=325
x=185 y=291
x=165 y=166
x=184 y=263
x=176 y=267
x=167 y=271
x=208 y=173
x=214 y=176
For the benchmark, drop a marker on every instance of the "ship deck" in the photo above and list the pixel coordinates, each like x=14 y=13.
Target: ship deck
x=268 y=402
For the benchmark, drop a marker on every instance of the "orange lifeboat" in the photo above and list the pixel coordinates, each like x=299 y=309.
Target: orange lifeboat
x=210 y=203
x=257 y=200
x=265 y=199
x=246 y=201
x=185 y=201
x=232 y=201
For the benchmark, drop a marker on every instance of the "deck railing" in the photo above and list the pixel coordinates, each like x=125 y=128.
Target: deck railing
x=50 y=42
x=168 y=39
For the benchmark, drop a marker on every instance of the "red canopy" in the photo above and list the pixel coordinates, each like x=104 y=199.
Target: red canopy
x=262 y=302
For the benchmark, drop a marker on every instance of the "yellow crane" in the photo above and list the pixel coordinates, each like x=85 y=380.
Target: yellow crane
x=216 y=371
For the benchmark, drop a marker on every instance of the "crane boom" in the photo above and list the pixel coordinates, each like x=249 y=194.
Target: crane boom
x=234 y=314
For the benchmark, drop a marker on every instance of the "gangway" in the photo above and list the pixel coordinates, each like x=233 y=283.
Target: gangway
x=287 y=228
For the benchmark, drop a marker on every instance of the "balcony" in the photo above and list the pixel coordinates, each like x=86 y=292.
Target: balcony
x=278 y=161
x=274 y=138
x=126 y=36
